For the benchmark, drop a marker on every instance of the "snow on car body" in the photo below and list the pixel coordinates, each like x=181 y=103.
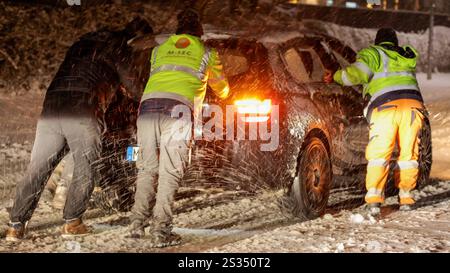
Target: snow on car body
x=321 y=131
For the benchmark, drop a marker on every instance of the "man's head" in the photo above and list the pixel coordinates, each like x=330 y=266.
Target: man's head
x=386 y=35
x=138 y=27
x=189 y=23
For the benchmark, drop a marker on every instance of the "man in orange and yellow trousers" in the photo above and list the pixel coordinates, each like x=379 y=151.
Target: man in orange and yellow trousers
x=395 y=114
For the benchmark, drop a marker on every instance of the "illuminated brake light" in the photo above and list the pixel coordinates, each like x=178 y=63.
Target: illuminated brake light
x=256 y=119
x=254 y=106
x=258 y=110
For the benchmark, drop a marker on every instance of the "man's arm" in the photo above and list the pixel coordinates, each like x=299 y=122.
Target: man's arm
x=134 y=73
x=361 y=71
x=216 y=77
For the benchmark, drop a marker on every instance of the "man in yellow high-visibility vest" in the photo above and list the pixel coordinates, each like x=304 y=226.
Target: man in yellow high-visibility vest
x=395 y=113
x=181 y=69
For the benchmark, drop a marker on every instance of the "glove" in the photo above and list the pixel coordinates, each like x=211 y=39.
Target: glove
x=328 y=77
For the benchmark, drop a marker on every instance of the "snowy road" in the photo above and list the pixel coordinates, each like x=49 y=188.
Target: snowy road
x=256 y=224
x=224 y=222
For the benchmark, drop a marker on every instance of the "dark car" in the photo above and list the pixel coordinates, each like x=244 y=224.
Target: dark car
x=319 y=128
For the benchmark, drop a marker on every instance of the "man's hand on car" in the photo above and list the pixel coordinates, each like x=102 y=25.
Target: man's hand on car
x=328 y=76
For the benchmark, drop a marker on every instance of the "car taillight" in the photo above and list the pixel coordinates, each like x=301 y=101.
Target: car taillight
x=258 y=110
x=256 y=119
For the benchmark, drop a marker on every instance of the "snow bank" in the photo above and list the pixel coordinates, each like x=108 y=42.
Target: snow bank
x=436 y=89
x=358 y=38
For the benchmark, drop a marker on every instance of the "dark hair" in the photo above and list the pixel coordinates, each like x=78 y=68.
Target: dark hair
x=386 y=35
x=138 y=26
x=189 y=23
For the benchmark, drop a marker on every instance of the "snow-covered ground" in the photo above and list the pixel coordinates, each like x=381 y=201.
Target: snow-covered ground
x=436 y=89
x=426 y=229
x=256 y=224
x=218 y=221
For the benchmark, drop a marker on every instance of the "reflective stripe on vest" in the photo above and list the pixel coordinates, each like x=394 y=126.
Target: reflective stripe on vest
x=364 y=68
x=174 y=67
x=345 y=79
x=200 y=74
x=154 y=57
x=386 y=73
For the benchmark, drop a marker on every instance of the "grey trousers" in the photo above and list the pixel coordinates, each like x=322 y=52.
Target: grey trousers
x=67 y=173
x=164 y=153
x=55 y=136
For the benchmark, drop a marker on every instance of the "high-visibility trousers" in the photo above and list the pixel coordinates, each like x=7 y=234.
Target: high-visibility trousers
x=400 y=122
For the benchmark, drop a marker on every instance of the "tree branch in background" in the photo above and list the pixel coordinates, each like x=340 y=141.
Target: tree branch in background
x=9 y=59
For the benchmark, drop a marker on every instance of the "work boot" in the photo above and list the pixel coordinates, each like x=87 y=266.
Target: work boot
x=136 y=229
x=162 y=238
x=74 y=228
x=15 y=232
x=374 y=209
x=59 y=200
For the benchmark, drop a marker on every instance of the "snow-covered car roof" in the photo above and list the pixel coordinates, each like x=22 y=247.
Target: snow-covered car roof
x=269 y=37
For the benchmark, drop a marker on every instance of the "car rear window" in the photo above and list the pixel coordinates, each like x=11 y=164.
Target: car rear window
x=234 y=62
x=246 y=65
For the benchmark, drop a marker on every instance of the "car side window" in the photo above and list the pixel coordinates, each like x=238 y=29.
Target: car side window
x=316 y=67
x=295 y=65
x=304 y=65
x=343 y=54
x=341 y=60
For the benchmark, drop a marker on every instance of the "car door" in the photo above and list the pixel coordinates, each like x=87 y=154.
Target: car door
x=340 y=107
x=353 y=141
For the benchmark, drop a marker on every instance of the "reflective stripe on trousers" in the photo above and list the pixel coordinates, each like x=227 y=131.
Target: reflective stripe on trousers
x=374 y=192
x=380 y=162
x=407 y=165
x=405 y=194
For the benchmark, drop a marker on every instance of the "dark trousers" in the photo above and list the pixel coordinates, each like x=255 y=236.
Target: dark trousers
x=56 y=134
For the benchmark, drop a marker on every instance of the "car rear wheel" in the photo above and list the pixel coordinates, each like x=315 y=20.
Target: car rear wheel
x=425 y=155
x=425 y=161
x=311 y=187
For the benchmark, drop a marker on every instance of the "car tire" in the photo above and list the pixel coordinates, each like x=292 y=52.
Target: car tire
x=425 y=155
x=310 y=189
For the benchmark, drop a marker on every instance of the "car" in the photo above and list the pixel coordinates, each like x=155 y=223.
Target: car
x=314 y=134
